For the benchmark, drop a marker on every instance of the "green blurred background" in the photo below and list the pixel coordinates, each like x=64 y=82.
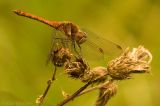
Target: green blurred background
x=24 y=45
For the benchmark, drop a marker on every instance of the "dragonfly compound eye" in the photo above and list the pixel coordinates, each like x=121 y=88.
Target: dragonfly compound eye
x=81 y=37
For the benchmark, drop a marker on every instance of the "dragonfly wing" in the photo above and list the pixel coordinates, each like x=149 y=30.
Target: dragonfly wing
x=102 y=46
x=59 y=40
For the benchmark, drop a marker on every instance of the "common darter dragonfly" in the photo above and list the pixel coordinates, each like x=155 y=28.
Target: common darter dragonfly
x=70 y=34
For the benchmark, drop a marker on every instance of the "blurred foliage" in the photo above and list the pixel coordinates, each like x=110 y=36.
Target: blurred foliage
x=24 y=45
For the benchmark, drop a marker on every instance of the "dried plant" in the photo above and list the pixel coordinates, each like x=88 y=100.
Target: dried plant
x=131 y=61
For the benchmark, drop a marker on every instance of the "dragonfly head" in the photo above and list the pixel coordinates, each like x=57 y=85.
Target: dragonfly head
x=81 y=37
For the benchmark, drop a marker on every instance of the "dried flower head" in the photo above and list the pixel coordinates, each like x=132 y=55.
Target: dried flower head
x=97 y=74
x=76 y=68
x=80 y=69
x=106 y=92
x=60 y=56
x=135 y=61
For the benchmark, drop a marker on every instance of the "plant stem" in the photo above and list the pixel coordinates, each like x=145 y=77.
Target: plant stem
x=81 y=92
x=74 y=95
x=95 y=88
x=48 y=87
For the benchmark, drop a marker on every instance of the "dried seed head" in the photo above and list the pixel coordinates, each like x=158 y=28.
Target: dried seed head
x=61 y=56
x=97 y=74
x=77 y=68
x=135 y=61
x=106 y=92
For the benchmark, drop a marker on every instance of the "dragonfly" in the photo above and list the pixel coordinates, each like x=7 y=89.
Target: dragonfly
x=72 y=33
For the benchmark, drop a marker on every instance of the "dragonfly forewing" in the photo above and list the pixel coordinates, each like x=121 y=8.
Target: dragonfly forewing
x=59 y=41
x=100 y=47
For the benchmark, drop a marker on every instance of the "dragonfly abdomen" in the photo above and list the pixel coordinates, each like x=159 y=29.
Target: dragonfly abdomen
x=53 y=24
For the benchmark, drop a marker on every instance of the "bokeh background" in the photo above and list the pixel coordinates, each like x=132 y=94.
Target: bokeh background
x=24 y=45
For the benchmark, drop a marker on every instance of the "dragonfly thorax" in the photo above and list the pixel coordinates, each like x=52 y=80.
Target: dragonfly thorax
x=72 y=31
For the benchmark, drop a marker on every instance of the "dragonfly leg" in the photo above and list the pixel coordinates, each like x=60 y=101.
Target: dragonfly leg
x=80 y=48
x=54 y=73
x=74 y=47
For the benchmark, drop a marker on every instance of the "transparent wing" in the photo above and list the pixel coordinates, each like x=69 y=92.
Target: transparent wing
x=59 y=40
x=99 y=47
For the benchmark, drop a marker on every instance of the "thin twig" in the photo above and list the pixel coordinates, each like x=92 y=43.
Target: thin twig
x=81 y=92
x=48 y=87
x=95 y=87
x=74 y=95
